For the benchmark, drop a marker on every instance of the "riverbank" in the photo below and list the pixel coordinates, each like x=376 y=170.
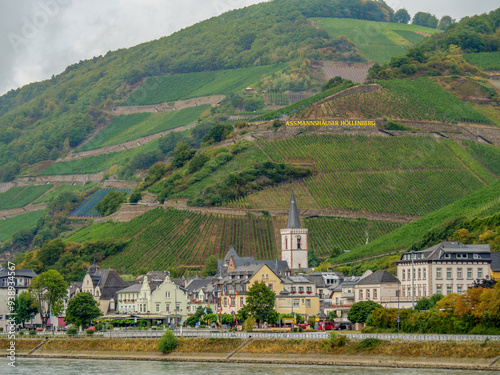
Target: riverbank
x=438 y=355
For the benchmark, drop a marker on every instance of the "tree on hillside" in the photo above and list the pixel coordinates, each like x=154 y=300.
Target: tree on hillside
x=25 y=307
x=110 y=203
x=210 y=267
x=82 y=309
x=402 y=16
x=49 y=290
x=425 y=19
x=51 y=252
x=260 y=303
x=360 y=311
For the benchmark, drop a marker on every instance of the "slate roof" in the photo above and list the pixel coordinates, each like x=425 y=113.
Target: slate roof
x=495 y=262
x=378 y=277
x=293 y=214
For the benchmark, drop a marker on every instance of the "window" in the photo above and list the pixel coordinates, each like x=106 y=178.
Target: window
x=404 y=275
x=157 y=307
x=449 y=289
x=167 y=294
x=367 y=293
x=308 y=303
x=479 y=273
x=296 y=303
x=439 y=289
x=459 y=273
x=459 y=289
x=448 y=273
x=360 y=294
x=425 y=273
x=438 y=273
x=298 y=242
x=469 y=273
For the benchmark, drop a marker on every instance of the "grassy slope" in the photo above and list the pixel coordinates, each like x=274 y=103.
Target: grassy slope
x=474 y=204
x=10 y=226
x=377 y=41
x=20 y=196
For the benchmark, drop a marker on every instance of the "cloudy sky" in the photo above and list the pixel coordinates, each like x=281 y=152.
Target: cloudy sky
x=39 y=38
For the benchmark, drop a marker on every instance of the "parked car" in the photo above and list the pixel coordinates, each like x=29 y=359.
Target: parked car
x=342 y=326
x=327 y=326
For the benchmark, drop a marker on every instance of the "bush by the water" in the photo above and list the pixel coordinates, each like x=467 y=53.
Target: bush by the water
x=168 y=342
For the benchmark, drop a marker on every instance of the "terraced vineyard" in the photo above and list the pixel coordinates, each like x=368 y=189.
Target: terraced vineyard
x=399 y=175
x=417 y=100
x=160 y=239
x=88 y=208
x=169 y=88
x=129 y=127
x=20 y=196
x=377 y=41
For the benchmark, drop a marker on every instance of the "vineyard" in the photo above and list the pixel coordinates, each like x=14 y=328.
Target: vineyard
x=10 y=226
x=484 y=60
x=129 y=127
x=377 y=41
x=88 y=208
x=399 y=175
x=20 y=196
x=487 y=154
x=416 y=100
x=170 y=88
x=98 y=163
x=355 y=72
x=160 y=239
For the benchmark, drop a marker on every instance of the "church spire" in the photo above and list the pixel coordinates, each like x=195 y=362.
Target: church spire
x=293 y=214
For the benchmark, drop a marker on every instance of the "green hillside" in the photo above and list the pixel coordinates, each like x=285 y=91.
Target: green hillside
x=377 y=41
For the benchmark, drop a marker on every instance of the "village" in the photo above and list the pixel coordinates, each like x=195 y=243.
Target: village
x=322 y=298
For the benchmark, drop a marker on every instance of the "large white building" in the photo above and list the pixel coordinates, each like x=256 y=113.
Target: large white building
x=448 y=267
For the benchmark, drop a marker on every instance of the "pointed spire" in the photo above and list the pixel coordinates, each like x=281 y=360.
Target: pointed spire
x=293 y=214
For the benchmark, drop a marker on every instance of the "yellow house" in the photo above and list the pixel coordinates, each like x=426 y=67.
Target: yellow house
x=232 y=289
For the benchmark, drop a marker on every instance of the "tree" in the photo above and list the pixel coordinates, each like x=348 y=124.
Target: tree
x=25 y=306
x=445 y=22
x=402 y=16
x=182 y=154
x=49 y=290
x=210 y=267
x=360 y=311
x=82 y=309
x=260 y=302
x=51 y=252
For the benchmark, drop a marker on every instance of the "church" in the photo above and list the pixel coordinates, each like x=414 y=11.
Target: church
x=294 y=242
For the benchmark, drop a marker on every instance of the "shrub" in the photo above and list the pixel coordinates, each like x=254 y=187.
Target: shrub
x=336 y=340
x=90 y=332
x=368 y=344
x=72 y=331
x=168 y=342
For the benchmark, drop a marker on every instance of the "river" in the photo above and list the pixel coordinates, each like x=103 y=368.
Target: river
x=53 y=366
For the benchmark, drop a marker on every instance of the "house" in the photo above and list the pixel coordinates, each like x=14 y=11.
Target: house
x=103 y=285
x=380 y=287
x=445 y=268
x=19 y=281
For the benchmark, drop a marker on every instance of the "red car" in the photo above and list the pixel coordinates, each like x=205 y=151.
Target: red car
x=327 y=326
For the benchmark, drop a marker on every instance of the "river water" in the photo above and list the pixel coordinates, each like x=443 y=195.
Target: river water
x=49 y=366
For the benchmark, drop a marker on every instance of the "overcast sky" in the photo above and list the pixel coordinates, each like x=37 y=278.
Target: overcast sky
x=39 y=38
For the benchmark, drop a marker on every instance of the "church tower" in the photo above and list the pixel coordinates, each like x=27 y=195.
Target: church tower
x=294 y=244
